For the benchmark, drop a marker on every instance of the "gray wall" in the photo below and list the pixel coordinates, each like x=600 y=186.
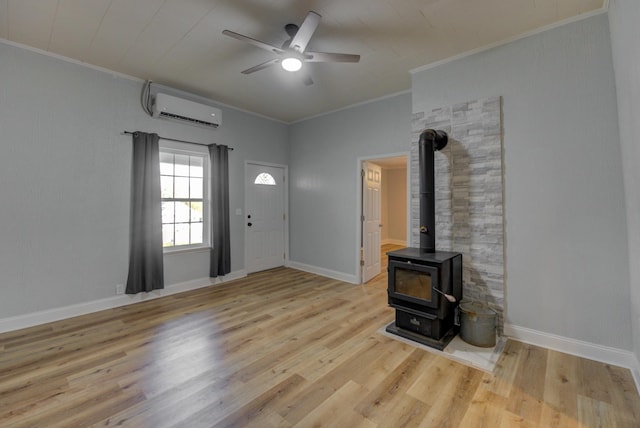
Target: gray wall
x=566 y=248
x=567 y=269
x=324 y=175
x=624 y=16
x=65 y=173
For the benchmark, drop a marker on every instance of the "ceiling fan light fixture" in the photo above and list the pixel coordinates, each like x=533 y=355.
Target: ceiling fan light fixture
x=292 y=53
x=291 y=64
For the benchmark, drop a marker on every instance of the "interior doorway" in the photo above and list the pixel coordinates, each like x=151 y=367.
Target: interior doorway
x=383 y=210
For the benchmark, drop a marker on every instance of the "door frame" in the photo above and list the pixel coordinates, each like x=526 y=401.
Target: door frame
x=285 y=170
x=359 y=201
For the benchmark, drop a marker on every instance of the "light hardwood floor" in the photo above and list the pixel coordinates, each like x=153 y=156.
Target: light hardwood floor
x=285 y=348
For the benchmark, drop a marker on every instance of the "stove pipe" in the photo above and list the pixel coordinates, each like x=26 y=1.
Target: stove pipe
x=430 y=141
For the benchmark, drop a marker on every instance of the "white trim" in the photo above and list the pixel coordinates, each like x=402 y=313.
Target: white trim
x=340 y=276
x=184 y=249
x=635 y=371
x=592 y=351
x=57 y=314
x=510 y=40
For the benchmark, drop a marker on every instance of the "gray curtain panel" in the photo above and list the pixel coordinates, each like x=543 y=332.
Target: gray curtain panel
x=146 y=271
x=220 y=249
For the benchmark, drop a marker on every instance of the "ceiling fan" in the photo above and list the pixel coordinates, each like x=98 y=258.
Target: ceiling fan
x=293 y=51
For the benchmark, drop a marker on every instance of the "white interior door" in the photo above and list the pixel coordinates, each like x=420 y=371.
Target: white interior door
x=372 y=181
x=264 y=217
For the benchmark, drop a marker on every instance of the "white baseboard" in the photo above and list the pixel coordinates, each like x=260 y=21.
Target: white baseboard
x=56 y=314
x=635 y=371
x=592 y=351
x=341 y=276
x=394 y=242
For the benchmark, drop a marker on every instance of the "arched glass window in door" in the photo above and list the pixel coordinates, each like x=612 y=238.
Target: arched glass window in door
x=265 y=178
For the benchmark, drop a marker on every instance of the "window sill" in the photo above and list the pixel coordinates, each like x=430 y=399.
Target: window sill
x=172 y=251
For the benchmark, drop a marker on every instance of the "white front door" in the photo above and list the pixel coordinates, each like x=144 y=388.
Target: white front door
x=264 y=217
x=372 y=184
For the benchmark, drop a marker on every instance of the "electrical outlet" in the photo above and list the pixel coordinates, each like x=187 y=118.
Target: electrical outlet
x=120 y=289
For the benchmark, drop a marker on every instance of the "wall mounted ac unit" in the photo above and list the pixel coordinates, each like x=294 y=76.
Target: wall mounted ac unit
x=179 y=109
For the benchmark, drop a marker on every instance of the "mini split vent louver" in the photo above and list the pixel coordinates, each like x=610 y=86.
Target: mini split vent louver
x=185 y=111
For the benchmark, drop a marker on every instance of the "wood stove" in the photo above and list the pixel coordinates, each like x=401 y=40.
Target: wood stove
x=418 y=283
x=425 y=285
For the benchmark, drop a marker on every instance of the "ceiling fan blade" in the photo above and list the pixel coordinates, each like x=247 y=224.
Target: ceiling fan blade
x=254 y=42
x=261 y=66
x=330 y=57
x=306 y=30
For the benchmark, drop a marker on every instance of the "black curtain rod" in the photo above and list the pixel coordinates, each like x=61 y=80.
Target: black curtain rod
x=178 y=141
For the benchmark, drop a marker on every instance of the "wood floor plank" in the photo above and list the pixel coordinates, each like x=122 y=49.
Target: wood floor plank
x=506 y=369
x=391 y=393
x=170 y=407
x=624 y=395
x=595 y=413
x=334 y=412
x=319 y=390
x=454 y=399
x=527 y=394
x=252 y=412
x=485 y=409
x=285 y=348
x=562 y=385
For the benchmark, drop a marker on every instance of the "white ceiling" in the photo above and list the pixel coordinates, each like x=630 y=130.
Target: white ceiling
x=179 y=43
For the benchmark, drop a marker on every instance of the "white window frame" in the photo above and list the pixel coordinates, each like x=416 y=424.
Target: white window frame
x=193 y=150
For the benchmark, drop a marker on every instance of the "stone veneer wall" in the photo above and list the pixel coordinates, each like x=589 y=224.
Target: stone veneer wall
x=469 y=195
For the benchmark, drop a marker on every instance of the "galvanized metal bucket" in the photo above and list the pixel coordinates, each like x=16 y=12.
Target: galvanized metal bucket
x=477 y=324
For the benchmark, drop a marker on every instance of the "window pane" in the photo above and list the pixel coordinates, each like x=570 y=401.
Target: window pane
x=265 y=178
x=182 y=234
x=183 y=213
x=181 y=189
x=183 y=192
x=196 y=188
x=167 y=235
x=182 y=165
x=196 y=211
x=166 y=183
x=166 y=163
x=196 y=233
x=167 y=212
x=197 y=166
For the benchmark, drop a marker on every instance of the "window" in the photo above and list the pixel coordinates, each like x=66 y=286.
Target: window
x=183 y=176
x=265 y=178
